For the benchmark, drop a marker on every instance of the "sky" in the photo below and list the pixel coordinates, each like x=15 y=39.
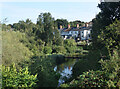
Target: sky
x=15 y=11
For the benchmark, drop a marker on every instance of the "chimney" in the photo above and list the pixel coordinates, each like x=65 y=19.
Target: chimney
x=60 y=26
x=77 y=25
x=68 y=26
x=86 y=25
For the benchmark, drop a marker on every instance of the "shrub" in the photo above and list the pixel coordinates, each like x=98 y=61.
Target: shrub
x=108 y=77
x=112 y=69
x=44 y=67
x=47 y=50
x=11 y=77
x=80 y=67
x=59 y=49
x=70 y=45
x=13 y=50
x=83 y=43
x=70 y=42
x=88 y=79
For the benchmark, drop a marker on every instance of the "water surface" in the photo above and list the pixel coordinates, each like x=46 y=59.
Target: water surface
x=65 y=69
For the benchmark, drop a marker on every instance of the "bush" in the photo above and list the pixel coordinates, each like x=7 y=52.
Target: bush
x=11 y=77
x=80 y=67
x=13 y=50
x=59 y=49
x=70 y=42
x=71 y=49
x=88 y=79
x=36 y=46
x=44 y=67
x=112 y=69
x=109 y=77
x=47 y=50
x=70 y=45
x=88 y=62
x=58 y=41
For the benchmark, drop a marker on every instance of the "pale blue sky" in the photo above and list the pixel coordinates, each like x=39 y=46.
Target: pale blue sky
x=15 y=11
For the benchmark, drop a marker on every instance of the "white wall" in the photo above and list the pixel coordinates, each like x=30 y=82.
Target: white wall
x=64 y=33
x=73 y=33
x=85 y=34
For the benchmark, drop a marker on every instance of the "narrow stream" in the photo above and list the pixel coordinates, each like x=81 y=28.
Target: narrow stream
x=65 y=69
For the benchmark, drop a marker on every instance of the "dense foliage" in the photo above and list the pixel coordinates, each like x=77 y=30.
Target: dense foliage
x=62 y=22
x=88 y=79
x=59 y=49
x=47 y=50
x=74 y=23
x=44 y=66
x=29 y=46
x=109 y=76
x=41 y=47
x=13 y=50
x=110 y=36
x=109 y=13
x=70 y=45
x=13 y=77
x=111 y=68
x=87 y=63
x=105 y=49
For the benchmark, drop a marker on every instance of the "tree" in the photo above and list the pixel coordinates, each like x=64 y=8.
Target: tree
x=46 y=23
x=57 y=40
x=110 y=36
x=13 y=50
x=74 y=23
x=27 y=27
x=109 y=13
x=70 y=45
x=62 y=22
x=106 y=34
x=48 y=31
x=44 y=67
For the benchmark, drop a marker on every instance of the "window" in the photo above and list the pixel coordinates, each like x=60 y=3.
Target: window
x=89 y=35
x=91 y=31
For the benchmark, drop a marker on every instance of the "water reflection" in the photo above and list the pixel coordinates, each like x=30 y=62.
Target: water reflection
x=65 y=69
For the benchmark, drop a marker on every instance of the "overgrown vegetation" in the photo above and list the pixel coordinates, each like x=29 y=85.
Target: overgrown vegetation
x=13 y=77
x=13 y=50
x=101 y=66
x=34 y=49
x=31 y=51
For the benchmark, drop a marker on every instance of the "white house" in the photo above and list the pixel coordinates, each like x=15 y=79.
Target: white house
x=81 y=33
x=85 y=33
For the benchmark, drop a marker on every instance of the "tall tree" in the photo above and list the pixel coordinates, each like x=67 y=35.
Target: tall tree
x=74 y=23
x=47 y=28
x=62 y=22
x=25 y=26
x=109 y=12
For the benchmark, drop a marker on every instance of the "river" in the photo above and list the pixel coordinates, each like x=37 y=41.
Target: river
x=65 y=70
